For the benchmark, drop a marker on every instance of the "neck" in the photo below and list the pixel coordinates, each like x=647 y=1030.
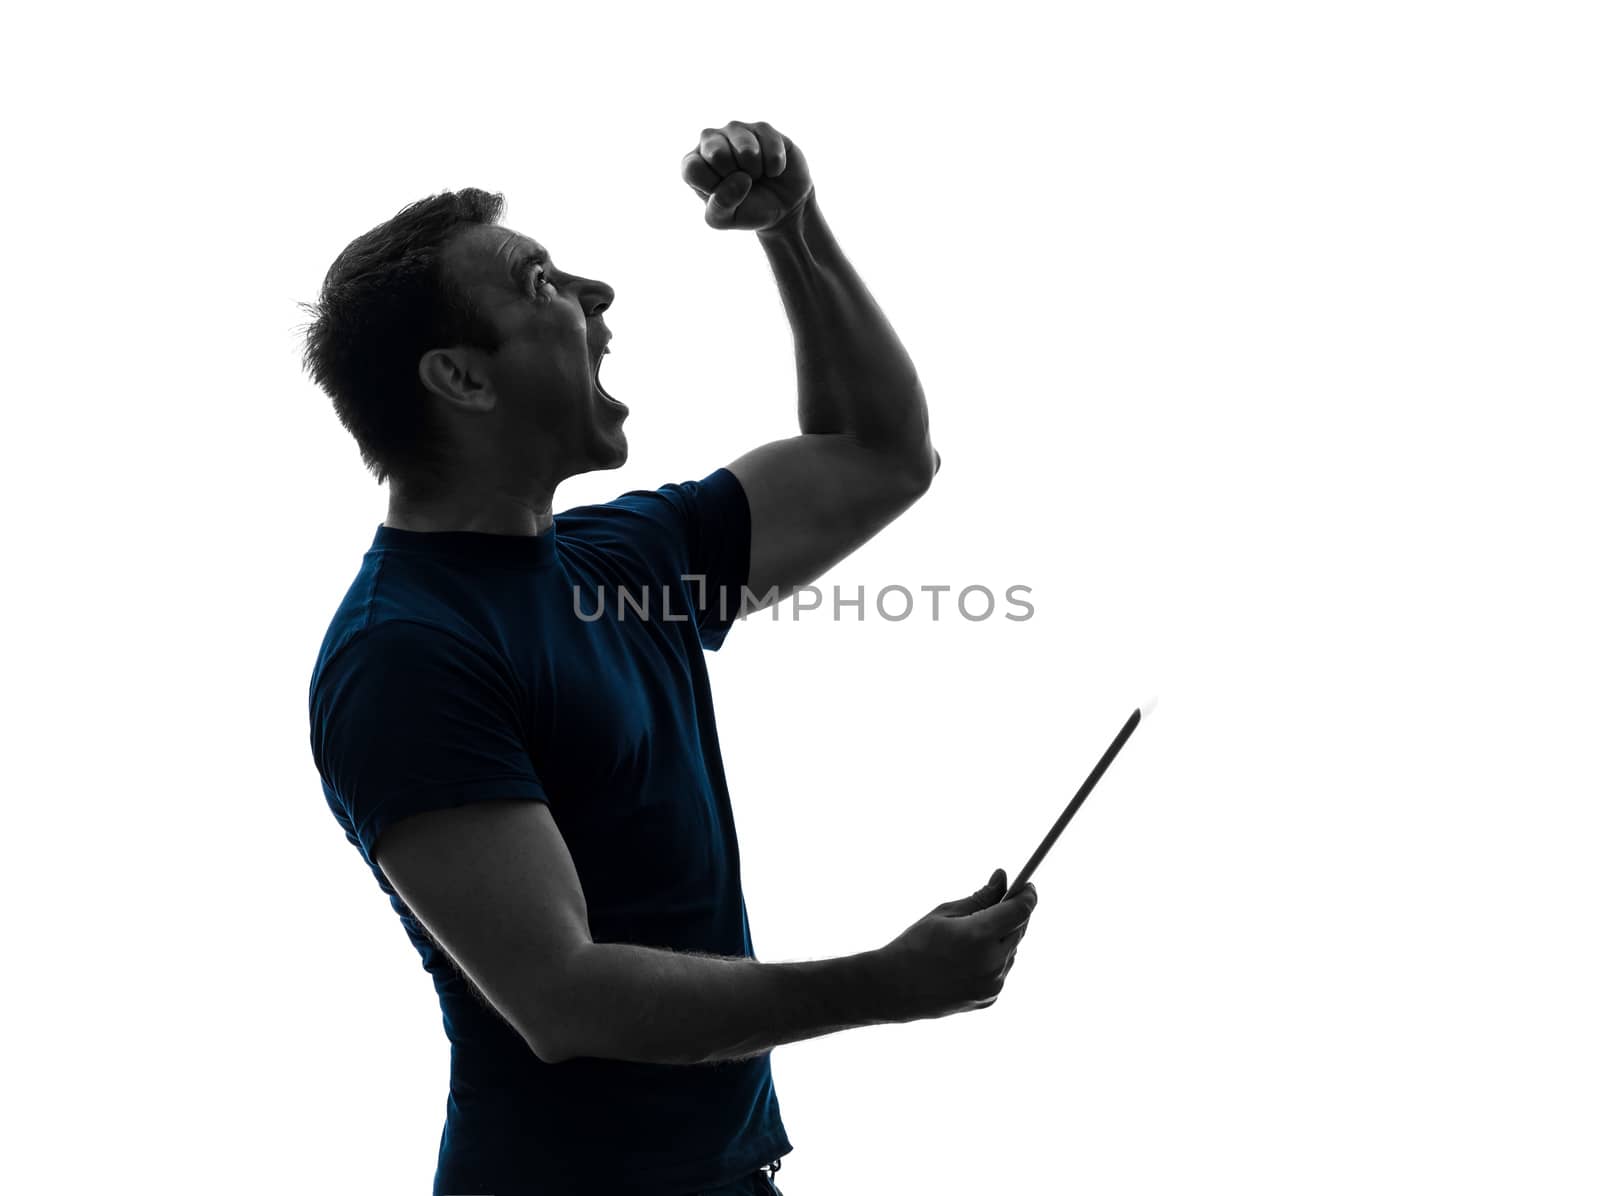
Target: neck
x=500 y=512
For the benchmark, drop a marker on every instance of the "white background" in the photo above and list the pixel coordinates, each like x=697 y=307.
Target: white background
x=1259 y=340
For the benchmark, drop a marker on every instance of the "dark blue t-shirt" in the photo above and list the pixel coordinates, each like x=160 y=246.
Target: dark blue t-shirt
x=466 y=666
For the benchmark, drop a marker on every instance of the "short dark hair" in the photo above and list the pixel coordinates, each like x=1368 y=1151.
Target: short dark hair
x=386 y=301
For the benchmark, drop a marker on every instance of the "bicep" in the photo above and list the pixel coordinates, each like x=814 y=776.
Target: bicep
x=814 y=499
x=494 y=883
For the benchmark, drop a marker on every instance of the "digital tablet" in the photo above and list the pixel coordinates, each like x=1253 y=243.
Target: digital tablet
x=1072 y=807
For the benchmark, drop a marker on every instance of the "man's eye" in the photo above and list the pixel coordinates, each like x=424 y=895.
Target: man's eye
x=539 y=280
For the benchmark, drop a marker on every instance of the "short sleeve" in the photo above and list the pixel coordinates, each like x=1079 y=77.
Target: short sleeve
x=408 y=718
x=702 y=530
x=717 y=535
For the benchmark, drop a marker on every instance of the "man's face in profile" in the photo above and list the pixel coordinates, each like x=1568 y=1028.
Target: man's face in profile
x=551 y=412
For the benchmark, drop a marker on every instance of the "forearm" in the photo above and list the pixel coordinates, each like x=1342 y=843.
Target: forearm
x=648 y=1005
x=855 y=377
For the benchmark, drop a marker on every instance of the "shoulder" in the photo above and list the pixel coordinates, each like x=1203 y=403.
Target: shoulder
x=381 y=661
x=403 y=639
x=673 y=511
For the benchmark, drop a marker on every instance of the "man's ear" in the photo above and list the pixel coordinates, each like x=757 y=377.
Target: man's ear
x=456 y=376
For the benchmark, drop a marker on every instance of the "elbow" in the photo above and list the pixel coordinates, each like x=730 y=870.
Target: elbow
x=571 y=1024
x=549 y=1031
x=552 y=1048
x=920 y=470
x=542 y=1043
x=548 y=1056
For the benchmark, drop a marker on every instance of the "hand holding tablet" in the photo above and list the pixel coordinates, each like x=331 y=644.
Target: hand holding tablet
x=958 y=955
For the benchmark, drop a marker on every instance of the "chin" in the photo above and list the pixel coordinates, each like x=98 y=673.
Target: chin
x=610 y=450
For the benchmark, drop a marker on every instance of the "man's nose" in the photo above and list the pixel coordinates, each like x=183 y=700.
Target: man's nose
x=597 y=296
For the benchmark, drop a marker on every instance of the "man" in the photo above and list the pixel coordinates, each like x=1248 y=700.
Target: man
x=527 y=763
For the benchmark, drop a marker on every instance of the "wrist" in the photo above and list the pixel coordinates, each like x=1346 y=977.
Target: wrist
x=792 y=224
x=884 y=976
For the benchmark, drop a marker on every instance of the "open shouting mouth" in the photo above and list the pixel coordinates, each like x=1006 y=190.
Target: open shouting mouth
x=605 y=396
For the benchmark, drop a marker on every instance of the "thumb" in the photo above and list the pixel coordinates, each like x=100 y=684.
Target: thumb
x=730 y=193
x=982 y=899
